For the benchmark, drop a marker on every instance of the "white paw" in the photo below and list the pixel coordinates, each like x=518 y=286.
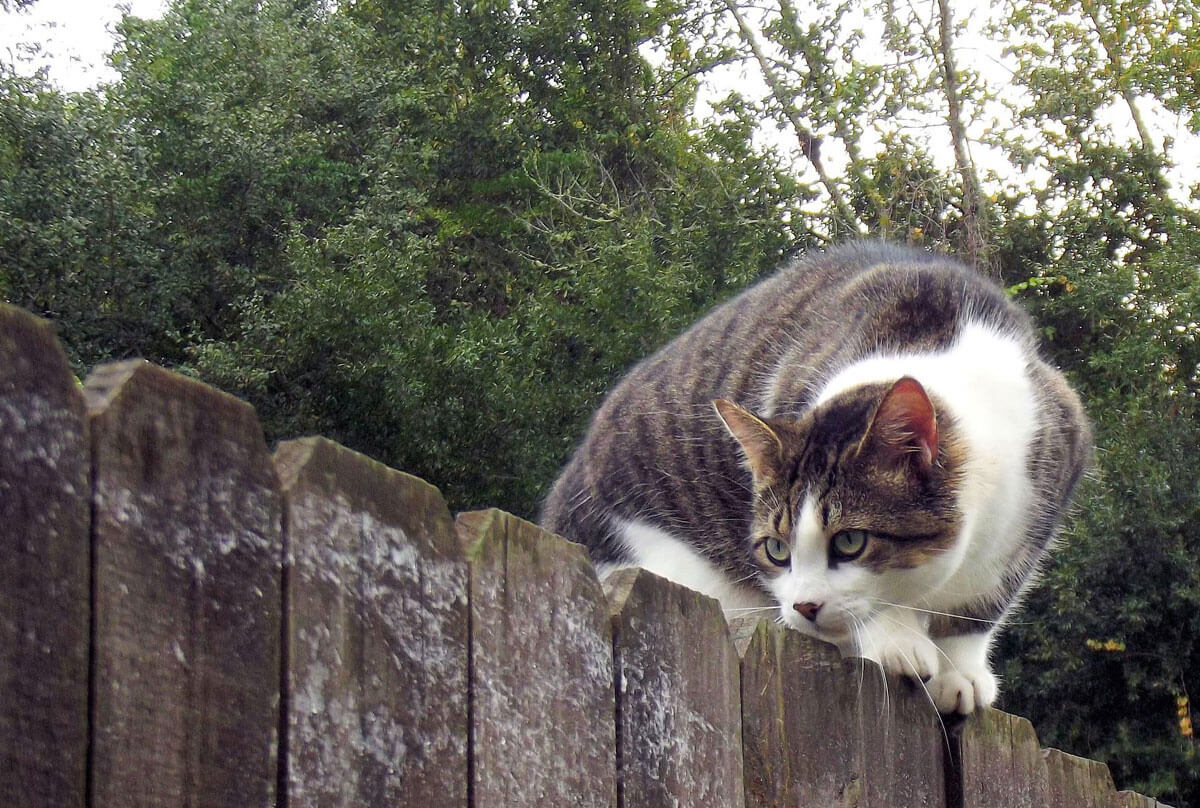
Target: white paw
x=963 y=691
x=914 y=656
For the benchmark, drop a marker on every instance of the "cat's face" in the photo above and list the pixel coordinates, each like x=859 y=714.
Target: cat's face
x=855 y=505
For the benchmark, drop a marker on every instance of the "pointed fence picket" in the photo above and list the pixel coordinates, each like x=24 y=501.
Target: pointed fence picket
x=186 y=619
x=375 y=615
x=186 y=571
x=45 y=522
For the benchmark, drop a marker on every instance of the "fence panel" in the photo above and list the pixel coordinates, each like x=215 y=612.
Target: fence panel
x=1077 y=782
x=376 y=630
x=1001 y=763
x=679 y=720
x=44 y=554
x=821 y=730
x=187 y=594
x=905 y=743
x=799 y=722
x=423 y=661
x=543 y=724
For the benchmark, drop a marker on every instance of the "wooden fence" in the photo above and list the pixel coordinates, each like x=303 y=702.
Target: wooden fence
x=189 y=620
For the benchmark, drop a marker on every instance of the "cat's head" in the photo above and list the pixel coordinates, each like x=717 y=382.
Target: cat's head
x=855 y=504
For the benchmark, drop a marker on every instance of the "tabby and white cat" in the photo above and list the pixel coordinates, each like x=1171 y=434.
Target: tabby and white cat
x=900 y=459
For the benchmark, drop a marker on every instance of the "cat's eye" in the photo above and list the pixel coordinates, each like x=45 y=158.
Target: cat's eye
x=777 y=552
x=848 y=544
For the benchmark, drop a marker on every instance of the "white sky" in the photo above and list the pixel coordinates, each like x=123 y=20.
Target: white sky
x=76 y=37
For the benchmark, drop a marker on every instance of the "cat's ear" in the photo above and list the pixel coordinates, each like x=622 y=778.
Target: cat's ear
x=905 y=425
x=761 y=446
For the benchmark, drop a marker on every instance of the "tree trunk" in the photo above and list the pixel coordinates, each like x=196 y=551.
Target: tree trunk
x=810 y=143
x=973 y=204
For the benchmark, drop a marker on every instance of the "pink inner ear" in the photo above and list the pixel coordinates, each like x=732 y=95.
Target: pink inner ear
x=906 y=417
x=760 y=444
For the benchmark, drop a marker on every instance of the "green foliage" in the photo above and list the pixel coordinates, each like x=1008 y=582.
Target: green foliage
x=76 y=215
x=408 y=228
x=1106 y=258
x=1126 y=572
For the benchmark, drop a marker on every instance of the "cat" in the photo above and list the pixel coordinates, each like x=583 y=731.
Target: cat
x=866 y=441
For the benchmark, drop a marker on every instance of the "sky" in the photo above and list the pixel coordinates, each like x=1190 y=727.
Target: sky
x=76 y=36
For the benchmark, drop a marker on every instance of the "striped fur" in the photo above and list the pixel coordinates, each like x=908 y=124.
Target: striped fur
x=813 y=351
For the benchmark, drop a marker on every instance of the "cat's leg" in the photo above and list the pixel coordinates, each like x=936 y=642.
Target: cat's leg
x=898 y=639
x=966 y=682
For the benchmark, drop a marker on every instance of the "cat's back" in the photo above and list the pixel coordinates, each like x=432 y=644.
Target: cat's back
x=817 y=313
x=874 y=299
x=655 y=446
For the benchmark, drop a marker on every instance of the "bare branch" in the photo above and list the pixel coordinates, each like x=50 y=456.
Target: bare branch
x=809 y=142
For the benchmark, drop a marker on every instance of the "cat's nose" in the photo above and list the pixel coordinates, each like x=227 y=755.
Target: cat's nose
x=809 y=610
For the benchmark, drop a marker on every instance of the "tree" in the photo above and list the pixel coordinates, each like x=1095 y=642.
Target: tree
x=1097 y=242
x=409 y=228
x=76 y=219
x=842 y=97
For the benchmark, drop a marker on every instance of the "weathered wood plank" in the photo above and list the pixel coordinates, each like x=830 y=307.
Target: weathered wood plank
x=44 y=568
x=188 y=561
x=1001 y=763
x=799 y=723
x=821 y=730
x=1077 y=782
x=376 y=630
x=905 y=743
x=741 y=631
x=543 y=725
x=679 y=721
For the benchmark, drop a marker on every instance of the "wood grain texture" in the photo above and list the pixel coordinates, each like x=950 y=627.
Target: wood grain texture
x=905 y=742
x=44 y=568
x=741 y=631
x=188 y=561
x=377 y=634
x=1077 y=782
x=799 y=723
x=679 y=721
x=823 y=731
x=1001 y=763
x=543 y=724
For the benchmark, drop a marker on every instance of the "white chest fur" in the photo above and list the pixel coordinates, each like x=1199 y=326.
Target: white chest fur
x=672 y=558
x=983 y=380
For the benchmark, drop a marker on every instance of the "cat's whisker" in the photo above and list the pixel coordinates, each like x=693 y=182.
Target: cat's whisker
x=857 y=627
x=911 y=630
x=921 y=683
x=935 y=612
x=924 y=687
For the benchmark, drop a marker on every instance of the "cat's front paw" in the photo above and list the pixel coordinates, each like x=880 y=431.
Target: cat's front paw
x=914 y=656
x=963 y=691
